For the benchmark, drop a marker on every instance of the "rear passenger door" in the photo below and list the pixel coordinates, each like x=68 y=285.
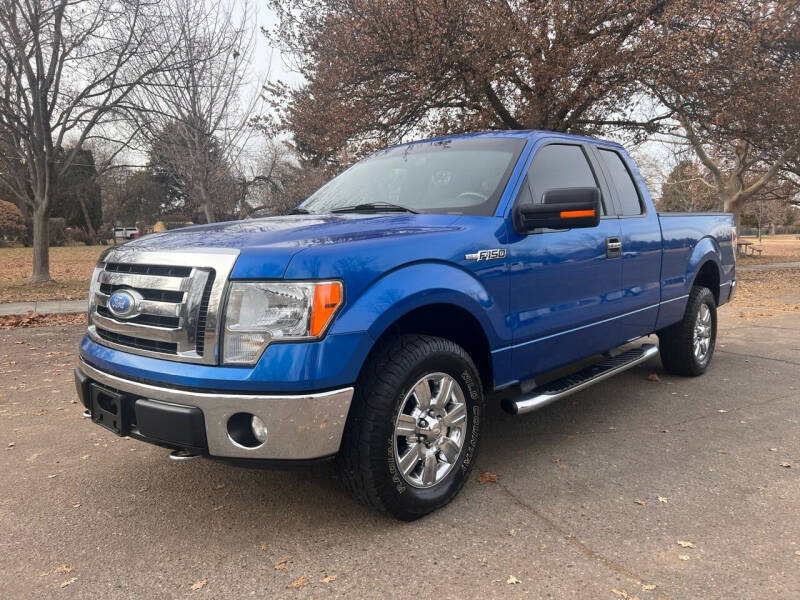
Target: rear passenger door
x=641 y=242
x=565 y=285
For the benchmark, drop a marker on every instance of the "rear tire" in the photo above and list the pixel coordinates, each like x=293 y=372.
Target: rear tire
x=413 y=430
x=687 y=347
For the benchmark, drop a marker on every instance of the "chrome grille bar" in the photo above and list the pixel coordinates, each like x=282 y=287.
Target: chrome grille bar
x=149 y=307
x=179 y=298
x=153 y=282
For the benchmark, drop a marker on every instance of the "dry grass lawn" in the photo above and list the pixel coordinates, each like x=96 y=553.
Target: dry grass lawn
x=777 y=248
x=70 y=266
x=758 y=294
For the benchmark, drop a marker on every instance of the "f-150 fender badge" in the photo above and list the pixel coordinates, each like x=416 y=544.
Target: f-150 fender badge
x=486 y=254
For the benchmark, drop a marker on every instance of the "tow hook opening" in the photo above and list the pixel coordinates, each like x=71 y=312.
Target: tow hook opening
x=247 y=430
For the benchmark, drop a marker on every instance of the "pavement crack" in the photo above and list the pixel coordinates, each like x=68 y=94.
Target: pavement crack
x=781 y=360
x=677 y=424
x=577 y=543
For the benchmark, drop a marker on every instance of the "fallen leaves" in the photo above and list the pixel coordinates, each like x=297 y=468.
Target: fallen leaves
x=69 y=581
x=640 y=502
x=32 y=319
x=298 y=583
x=328 y=579
x=283 y=563
x=662 y=499
x=487 y=477
x=623 y=594
x=684 y=556
x=647 y=587
x=264 y=547
x=653 y=377
x=797 y=552
x=199 y=585
x=786 y=465
x=512 y=580
x=684 y=544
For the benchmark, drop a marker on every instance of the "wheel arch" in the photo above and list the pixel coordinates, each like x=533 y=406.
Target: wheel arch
x=705 y=266
x=451 y=322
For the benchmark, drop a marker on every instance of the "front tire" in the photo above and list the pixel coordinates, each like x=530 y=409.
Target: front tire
x=687 y=347
x=414 y=427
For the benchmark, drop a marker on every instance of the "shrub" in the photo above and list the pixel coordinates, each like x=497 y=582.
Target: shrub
x=12 y=225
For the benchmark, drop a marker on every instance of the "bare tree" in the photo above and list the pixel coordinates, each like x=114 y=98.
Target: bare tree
x=194 y=118
x=379 y=72
x=68 y=69
x=729 y=73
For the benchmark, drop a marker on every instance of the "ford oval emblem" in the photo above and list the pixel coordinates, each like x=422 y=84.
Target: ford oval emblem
x=124 y=304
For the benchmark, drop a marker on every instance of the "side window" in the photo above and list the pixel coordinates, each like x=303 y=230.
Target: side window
x=623 y=182
x=559 y=166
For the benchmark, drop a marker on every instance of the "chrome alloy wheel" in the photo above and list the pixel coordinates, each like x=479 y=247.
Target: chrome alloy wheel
x=430 y=430
x=702 y=333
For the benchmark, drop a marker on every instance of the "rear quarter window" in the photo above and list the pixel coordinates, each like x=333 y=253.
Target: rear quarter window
x=627 y=193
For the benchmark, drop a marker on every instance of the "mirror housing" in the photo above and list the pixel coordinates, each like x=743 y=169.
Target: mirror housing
x=563 y=208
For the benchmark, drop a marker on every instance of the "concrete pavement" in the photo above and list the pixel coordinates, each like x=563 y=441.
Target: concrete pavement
x=44 y=307
x=674 y=483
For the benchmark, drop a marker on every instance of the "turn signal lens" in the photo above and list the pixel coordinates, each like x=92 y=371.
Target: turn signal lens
x=574 y=214
x=327 y=298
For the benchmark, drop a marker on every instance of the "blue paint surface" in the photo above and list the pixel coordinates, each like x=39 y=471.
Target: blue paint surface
x=554 y=298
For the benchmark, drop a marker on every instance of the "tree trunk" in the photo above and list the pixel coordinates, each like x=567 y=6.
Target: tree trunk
x=41 y=247
x=208 y=208
x=89 y=229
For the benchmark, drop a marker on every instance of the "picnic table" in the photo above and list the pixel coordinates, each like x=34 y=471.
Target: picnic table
x=743 y=247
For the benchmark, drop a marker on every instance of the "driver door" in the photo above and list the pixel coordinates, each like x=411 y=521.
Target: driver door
x=565 y=285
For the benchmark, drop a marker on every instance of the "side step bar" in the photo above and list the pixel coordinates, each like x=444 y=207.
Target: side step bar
x=555 y=390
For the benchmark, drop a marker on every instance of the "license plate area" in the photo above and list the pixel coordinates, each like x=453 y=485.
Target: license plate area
x=108 y=409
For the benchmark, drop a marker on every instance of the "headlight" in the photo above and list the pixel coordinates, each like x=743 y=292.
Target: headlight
x=94 y=286
x=259 y=312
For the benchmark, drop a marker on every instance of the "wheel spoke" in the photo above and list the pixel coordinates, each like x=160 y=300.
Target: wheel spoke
x=406 y=425
x=430 y=429
x=456 y=416
x=445 y=391
x=429 y=468
x=450 y=450
x=422 y=392
x=409 y=460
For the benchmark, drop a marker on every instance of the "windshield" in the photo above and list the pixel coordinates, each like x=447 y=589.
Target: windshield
x=461 y=176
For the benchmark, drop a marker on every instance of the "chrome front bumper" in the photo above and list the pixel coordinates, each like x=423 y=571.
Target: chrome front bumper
x=301 y=427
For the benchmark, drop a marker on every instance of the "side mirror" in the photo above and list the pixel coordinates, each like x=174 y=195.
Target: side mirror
x=564 y=208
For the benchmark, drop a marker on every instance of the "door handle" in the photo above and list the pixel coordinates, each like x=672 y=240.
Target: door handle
x=613 y=247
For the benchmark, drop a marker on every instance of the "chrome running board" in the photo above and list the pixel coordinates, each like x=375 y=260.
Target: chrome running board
x=555 y=390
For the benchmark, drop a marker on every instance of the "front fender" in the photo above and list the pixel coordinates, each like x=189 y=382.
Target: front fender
x=413 y=286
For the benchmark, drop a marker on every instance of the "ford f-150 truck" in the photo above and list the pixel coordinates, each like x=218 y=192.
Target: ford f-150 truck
x=374 y=324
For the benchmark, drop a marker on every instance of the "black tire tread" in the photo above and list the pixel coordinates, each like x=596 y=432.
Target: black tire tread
x=675 y=341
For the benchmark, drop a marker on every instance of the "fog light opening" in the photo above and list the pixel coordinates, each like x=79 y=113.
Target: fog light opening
x=246 y=430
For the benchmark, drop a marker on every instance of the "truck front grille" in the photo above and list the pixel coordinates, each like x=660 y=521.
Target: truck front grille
x=177 y=305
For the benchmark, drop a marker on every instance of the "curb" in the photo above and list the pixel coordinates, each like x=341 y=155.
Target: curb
x=43 y=307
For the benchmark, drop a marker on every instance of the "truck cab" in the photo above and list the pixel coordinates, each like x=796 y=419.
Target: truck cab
x=374 y=324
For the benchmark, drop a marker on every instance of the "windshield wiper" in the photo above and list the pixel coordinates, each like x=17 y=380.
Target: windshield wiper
x=299 y=211
x=374 y=207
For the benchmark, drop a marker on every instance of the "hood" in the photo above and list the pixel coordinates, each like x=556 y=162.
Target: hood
x=267 y=245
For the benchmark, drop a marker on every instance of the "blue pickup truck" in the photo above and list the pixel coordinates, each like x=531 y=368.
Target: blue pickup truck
x=374 y=324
